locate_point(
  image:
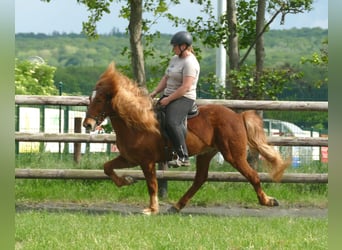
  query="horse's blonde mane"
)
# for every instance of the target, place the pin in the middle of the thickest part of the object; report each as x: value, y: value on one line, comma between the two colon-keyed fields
x: 131, y: 102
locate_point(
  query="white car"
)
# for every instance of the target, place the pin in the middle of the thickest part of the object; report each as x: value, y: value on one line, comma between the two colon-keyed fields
x: 299, y: 154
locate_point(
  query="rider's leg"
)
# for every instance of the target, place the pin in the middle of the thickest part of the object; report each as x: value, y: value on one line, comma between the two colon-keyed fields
x: 176, y: 113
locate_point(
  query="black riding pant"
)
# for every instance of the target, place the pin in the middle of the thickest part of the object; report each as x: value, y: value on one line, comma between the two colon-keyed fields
x: 175, y: 116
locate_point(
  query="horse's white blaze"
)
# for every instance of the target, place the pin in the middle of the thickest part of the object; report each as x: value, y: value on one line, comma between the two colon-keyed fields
x: 93, y: 94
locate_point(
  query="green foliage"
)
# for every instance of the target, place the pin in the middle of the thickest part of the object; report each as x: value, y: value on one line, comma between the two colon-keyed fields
x: 73, y: 84
x: 271, y: 82
x: 246, y: 16
x: 211, y: 32
x: 33, y: 78
x: 214, y: 32
x: 320, y: 62
x: 289, y: 7
x: 80, y: 62
x: 64, y: 50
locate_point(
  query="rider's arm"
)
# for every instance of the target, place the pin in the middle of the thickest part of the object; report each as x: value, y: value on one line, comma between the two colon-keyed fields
x: 160, y: 87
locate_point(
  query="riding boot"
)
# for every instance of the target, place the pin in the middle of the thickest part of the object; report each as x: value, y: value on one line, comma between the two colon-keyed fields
x: 182, y: 158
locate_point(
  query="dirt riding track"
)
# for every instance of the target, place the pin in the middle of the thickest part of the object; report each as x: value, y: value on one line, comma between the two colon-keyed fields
x: 124, y: 209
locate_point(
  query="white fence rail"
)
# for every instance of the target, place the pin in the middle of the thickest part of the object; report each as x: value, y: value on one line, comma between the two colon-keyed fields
x: 111, y: 138
x: 238, y: 104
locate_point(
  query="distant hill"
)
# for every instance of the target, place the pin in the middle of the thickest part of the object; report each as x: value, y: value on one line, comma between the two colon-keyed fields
x: 80, y: 61
x: 62, y: 50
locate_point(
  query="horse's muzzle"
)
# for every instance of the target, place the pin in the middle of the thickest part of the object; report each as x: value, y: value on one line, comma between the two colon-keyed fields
x: 89, y: 124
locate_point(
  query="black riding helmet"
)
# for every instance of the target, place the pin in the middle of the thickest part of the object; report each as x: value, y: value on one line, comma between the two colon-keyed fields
x: 181, y: 37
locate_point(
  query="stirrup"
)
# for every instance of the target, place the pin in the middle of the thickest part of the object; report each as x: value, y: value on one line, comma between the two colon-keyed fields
x: 179, y: 163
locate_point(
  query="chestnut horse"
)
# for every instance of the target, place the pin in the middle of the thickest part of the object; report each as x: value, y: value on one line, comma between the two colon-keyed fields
x: 139, y: 140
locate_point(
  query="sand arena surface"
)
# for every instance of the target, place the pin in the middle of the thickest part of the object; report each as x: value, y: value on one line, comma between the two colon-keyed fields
x: 234, y: 210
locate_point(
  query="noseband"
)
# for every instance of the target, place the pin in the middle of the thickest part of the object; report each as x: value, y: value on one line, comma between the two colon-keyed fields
x: 98, y: 119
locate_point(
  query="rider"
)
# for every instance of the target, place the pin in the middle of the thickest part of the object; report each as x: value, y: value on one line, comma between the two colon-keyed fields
x: 179, y: 85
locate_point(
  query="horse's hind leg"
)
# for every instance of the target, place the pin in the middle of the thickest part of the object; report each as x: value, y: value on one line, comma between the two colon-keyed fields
x: 235, y: 152
x: 252, y: 176
x: 202, y: 167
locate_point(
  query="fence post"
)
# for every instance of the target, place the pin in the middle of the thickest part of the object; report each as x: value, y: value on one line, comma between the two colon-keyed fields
x: 17, y: 127
x: 42, y: 126
x: 60, y: 120
x: 77, y: 145
x: 162, y: 184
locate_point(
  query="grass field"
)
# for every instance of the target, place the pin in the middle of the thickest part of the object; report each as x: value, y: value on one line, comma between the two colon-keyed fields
x: 78, y: 230
x: 43, y: 230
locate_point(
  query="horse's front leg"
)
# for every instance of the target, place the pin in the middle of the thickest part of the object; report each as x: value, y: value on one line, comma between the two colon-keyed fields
x: 152, y: 186
x: 117, y: 163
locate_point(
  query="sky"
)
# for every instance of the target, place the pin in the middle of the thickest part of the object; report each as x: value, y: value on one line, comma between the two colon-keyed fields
x: 67, y: 16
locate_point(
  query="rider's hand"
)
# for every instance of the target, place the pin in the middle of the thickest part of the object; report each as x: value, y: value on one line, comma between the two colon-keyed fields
x: 164, y: 101
x: 153, y: 94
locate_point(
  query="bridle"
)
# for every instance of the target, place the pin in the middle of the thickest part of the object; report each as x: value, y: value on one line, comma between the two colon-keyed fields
x: 98, y: 118
x: 101, y: 116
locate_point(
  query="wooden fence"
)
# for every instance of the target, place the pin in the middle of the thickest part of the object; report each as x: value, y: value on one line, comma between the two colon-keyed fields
x: 161, y: 174
x: 111, y: 138
x: 234, y: 104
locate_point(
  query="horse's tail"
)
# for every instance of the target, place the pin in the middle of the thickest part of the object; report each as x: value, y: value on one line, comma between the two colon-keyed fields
x: 257, y: 140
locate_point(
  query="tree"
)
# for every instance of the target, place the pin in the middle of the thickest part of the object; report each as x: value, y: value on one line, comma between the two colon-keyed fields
x: 233, y: 36
x: 246, y: 29
x: 212, y: 33
x: 133, y: 11
x: 259, y: 45
x: 34, y: 78
x: 135, y: 30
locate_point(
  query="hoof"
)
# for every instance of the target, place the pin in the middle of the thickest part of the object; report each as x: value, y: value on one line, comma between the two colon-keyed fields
x: 272, y: 202
x: 149, y: 211
x: 173, y: 210
x: 129, y: 180
x: 269, y: 202
x: 275, y: 203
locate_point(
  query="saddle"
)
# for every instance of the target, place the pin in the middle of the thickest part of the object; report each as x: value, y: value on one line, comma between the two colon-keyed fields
x: 160, y: 115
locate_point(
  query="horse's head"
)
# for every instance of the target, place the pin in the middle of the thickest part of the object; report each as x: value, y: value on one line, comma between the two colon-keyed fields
x: 116, y: 95
x: 99, y: 103
x: 98, y: 109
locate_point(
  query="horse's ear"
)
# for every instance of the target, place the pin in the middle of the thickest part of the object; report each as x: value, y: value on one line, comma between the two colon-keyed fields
x: 111, y: 67
x: 109, y: 71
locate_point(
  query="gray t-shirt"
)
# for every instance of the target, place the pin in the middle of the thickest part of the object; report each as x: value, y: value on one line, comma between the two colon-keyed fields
x: 177, y: 69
